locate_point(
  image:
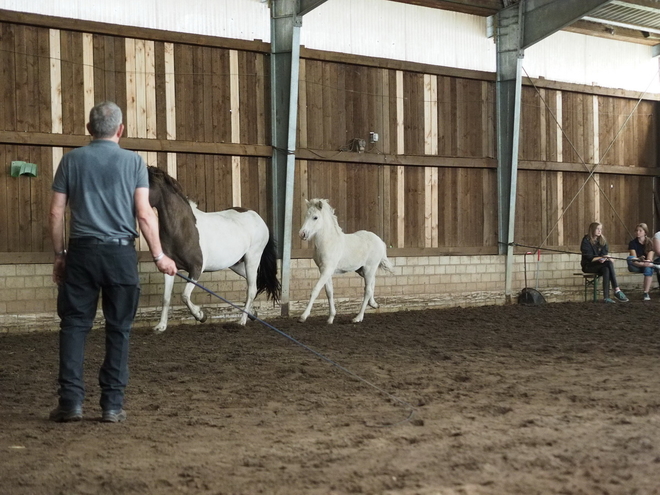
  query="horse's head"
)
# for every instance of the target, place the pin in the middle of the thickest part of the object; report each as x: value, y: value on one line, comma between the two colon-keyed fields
x: 162, y: 185
x: 318, y: 213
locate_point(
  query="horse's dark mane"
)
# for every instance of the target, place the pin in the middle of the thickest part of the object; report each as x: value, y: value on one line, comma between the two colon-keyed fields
x: 163, y: 179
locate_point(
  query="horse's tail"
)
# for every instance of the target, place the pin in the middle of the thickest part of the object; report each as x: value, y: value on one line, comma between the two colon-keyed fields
x: 267, y: 272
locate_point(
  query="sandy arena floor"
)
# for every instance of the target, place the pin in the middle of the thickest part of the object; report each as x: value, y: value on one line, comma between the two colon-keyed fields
x: 553, y: 399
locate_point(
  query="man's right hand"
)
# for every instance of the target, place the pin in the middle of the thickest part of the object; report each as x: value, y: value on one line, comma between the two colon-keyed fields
x: 166, y: 265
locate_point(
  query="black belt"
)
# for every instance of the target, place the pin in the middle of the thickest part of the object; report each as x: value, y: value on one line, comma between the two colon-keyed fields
x: 89, y: 241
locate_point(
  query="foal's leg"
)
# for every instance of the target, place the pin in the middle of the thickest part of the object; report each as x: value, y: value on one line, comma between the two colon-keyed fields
x: 331, y: 300
x: 167, y: 295
x: 325, y: 276
x: 369, y: 275
x: 372, y: 301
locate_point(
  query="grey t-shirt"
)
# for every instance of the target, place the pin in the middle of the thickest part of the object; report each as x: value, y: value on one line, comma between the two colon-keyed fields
x: 100, y: 181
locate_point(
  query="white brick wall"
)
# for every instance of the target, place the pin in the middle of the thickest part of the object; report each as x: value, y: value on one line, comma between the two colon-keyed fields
x: 28, y: 296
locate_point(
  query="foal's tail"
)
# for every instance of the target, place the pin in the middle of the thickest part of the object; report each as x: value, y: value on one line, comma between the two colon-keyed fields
x: 386, y: 264
x: 267, y: 272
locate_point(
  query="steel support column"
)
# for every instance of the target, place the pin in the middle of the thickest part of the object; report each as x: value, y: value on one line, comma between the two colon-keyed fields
x: 286, y: 23
x: 507, y: 88
x: 518, y: 27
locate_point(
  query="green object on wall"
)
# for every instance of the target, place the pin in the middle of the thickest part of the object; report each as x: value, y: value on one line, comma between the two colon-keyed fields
x: 23, y: 168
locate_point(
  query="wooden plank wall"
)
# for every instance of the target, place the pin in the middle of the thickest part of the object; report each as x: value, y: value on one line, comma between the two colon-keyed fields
x: 199, y: 108
x: 184, y: 93
x: 413, y: 208
x: 590, y: 132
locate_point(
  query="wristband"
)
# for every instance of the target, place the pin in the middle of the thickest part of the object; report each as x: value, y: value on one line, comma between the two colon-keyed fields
x: 60, y: 253
x: 159, y: 257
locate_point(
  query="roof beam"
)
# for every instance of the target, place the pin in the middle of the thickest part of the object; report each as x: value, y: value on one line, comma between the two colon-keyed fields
x: 308, y: 5
x: 601, y: 30
x: 474, y: 7
x: 545, y: 17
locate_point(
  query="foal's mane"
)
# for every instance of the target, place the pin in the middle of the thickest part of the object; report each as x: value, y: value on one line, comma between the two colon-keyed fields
x: 162, y: 179
x: 323, y: 206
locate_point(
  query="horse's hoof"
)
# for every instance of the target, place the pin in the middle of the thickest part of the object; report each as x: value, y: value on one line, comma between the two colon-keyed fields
x: 357, y: 319
x: 301, y: 320
x: 158, y: 329
x: 330, y: 320
x: 203, y: 318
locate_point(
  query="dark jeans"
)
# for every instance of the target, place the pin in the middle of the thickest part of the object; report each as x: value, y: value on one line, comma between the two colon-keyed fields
x: 605, y: 270
x: 90, y: 269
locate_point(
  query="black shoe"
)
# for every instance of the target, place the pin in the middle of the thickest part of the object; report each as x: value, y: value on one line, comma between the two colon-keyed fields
x: 66, y: 414
x: 113, y: 416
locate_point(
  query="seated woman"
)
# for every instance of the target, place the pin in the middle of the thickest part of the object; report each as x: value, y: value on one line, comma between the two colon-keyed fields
x: 641, y: 257
x: 596, y: 259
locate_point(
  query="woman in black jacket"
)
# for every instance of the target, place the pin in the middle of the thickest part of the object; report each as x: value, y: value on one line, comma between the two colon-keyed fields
x: 596, y: 259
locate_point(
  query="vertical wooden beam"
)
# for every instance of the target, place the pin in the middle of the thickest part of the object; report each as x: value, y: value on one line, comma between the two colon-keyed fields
x: 595, y: 180
x: 385, y: 137
x: 385, y: 177
x: 56, y: 92
x: 58, y: 153
x: 170, y: 104
x: 150, y: 98
x: 262, y: 124
x: 171, y: 164
x: 560, y: 208
x: 302, y: 169
x: 560, y: 132
x: 235, y: 126
x: 400, y: 171
x: 486, y: 120
x: 595, y: 151
x: 140, y: 88
x: 131, y: 103
x: 302, y: 105
x: 596, y: 130
x: 170, y: 91
x: 560, y: 175
x: 236, y: 180
x: 543, y: 125
x: 234, y: 97
x: 430, y: 148
x: 150, y: 88
x: 88, y: 74
x: 55, y: 81
x: 544, y: 205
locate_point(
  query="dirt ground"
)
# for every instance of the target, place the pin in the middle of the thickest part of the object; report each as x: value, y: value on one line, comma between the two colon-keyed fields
x: 551, y: 399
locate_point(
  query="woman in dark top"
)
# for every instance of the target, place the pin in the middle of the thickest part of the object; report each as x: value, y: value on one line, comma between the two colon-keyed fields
x: 596, y: 259
x: 640, y: 259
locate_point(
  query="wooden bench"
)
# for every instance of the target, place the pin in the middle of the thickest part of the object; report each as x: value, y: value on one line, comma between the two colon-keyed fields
x: 590, y: 280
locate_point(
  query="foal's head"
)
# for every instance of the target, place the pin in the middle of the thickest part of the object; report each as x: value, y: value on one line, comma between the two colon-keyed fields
x: 320, y: 216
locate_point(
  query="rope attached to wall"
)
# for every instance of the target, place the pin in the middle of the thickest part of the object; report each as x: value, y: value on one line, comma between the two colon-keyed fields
x: 561, y: 251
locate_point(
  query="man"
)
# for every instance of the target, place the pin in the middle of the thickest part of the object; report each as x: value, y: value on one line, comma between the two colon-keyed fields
x: 106, y: 188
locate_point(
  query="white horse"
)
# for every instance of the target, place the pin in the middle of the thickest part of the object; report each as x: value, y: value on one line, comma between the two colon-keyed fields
x: 335, y: 252
x: 198, y: 242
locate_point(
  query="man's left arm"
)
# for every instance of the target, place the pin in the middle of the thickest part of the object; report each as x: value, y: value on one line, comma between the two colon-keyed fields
x: 56, y: 223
